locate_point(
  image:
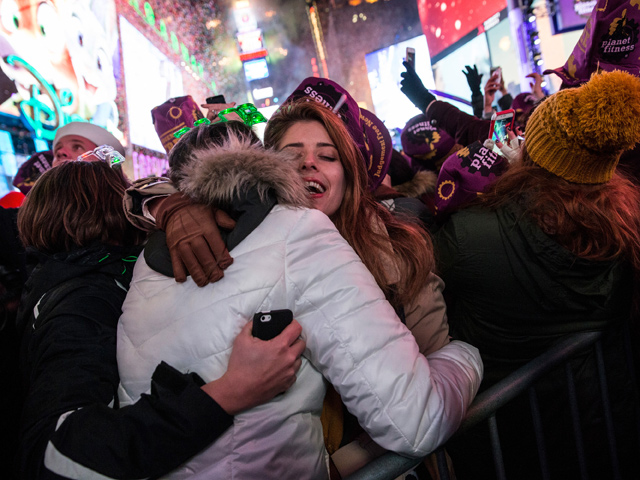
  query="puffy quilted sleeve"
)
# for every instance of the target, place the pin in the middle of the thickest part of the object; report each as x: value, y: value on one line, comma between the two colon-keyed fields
x: 408, y: 403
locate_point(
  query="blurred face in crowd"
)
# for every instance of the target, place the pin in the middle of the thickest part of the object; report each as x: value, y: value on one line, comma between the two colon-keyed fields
x: 320, y: 166
x: 70, y: 147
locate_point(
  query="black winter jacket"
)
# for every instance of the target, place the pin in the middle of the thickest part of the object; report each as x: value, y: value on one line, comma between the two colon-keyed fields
x: 68, y: 319
x: 513, y: 292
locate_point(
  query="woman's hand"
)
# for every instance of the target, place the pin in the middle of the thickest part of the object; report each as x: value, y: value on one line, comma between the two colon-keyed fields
x: 511, y: 149
x: 258, y: 370
x: 473, y: 79
x: 193, y: 238
x: 414, y: 89
x: 214, y: 108
x: 490, y: 89
x: 536, y: 86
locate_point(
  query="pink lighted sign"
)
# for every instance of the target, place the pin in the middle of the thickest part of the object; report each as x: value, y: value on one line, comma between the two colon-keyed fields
x: 444, y: 22
x: 148, y: 165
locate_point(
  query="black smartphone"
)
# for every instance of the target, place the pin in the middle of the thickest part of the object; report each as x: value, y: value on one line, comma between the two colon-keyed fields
x: 216, y: 99
x: 411, y: 57
x: 268, y: 325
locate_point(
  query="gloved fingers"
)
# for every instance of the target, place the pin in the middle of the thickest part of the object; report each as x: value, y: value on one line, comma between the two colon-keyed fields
x: 216, y: 274
x: 179, y: 271
x: 223, y: 220
x: 203, y: 253
x: 207, y: 263
x: 410, y: 70
x: 489, y: 143
x: 214, y: 246
x: 210, y: 260
x: 186, y: 258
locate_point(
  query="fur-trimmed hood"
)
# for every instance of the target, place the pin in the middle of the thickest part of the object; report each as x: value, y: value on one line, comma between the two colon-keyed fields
x: 423, y: 182
x: 218, y: 176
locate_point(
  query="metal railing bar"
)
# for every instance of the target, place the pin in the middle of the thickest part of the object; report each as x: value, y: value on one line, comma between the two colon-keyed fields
x: 386, y: 467
x: 537, y: 429
x: 496, y: 450
x: 608, y: 418
x: 517, y: 382
x: 443, y: 466
x: 631, y: 366
x: 390, y: 465
x: 575, y: 420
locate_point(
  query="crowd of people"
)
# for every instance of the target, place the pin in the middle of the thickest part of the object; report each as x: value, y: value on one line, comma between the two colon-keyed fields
x: 416, y: 278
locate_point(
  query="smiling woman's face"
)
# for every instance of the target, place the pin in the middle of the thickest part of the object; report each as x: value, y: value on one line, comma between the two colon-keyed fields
x: 320, y: 166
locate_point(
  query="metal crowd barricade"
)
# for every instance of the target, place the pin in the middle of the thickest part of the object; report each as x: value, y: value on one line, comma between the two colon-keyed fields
x: 484, y: 408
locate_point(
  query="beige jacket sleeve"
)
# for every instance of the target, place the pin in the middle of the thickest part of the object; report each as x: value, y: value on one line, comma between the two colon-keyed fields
x: 426, y: 316
x: 137, y: 195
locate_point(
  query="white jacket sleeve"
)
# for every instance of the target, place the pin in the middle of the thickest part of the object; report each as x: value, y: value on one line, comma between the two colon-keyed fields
x: 406, y: 402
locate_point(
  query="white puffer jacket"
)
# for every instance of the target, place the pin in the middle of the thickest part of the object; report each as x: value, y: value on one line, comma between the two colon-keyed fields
x: 295, y: 259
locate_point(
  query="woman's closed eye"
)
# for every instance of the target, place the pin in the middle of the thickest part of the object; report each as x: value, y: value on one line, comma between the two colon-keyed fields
x: 327, y: 154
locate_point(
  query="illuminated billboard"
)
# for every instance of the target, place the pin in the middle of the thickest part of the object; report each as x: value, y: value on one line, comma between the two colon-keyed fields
x: 256, y: 69
x: 384, y: 67
x: 61, y: 57
x: 571, y: 14
x: 150, y: 80
x: 444, y: 22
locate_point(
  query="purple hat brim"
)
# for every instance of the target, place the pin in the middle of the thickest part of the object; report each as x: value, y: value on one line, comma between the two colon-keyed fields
x: 378, y: 147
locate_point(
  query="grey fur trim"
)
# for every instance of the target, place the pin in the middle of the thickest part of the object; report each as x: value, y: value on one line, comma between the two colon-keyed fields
x: 422, y: 182
x: 216, y: 176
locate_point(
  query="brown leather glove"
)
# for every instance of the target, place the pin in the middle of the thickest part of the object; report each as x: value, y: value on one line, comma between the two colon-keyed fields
x: 194, y: 239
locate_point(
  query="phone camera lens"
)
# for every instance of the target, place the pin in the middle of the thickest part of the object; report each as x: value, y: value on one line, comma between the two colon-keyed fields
x: 265, y: 318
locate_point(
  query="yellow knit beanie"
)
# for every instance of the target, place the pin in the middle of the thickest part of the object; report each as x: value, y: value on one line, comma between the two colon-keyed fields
x: 579, y: 133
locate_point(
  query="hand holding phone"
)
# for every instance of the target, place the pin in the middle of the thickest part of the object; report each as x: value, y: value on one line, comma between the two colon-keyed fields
x: 216, y: 104
x: 501, y: 124
x: 268, y: 325
x: 498, y: 72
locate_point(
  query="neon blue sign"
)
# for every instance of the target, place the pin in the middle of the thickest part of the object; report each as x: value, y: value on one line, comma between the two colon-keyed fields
x: 37, y: 116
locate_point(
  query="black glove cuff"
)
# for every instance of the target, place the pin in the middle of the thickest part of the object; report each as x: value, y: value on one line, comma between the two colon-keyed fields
x: 426, y: 100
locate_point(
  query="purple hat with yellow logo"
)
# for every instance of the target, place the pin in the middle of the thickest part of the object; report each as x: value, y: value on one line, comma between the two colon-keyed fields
x: 425, y: 143
x: 367, y: 131
x: 608, y: 42
x: 466, y: 174
x: 524, y: 102
x: 172, y: 115
x: 378, y: 145
x: 31, y: 170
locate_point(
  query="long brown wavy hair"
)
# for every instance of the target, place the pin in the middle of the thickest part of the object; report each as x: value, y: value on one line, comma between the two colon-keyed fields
x: 371, y: 230
x: 596, y: 222
x: 75, y: 204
